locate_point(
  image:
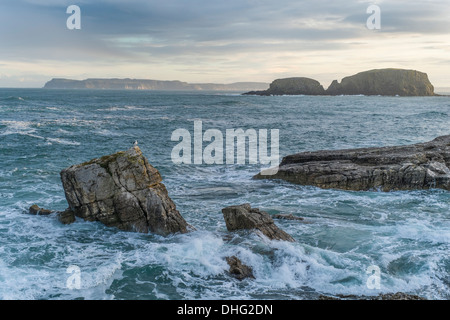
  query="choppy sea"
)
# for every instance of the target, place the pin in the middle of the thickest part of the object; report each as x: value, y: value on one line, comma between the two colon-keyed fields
x: 405, y: 234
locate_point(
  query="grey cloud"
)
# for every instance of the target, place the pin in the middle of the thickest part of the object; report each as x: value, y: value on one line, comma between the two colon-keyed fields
x: 422, y: 17
x: 177, y: 31
x: 37, y: 28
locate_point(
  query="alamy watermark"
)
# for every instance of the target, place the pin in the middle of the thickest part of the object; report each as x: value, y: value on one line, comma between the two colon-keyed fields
x: 74, y: 280
x: 231, y: 149
x: 74, y: 20
x: 374, y: 280
x: 374, y: 20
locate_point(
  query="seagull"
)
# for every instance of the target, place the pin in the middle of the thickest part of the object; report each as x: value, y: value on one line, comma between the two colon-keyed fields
x: 135, y: 143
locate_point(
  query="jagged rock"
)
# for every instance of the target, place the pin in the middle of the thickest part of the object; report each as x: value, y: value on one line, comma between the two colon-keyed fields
x: 287, y: 217
x: 122, y: 190
x: 239, y: 270
x: 292, y: 86
x: 418, y: 166
x: 385, y: 82
x: 36, y: 210
x: 245, y: 217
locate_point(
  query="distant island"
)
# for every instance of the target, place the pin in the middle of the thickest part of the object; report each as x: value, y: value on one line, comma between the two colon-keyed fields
x: 140, y: 84
x: 383, y: 82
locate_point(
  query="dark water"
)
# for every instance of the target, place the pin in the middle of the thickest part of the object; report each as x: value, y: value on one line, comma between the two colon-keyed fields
x: 405, y: 234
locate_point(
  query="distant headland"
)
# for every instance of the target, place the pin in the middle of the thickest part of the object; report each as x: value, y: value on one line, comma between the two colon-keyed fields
x: 383, y: 82
x: 142, y: 84
x: 378, y: 82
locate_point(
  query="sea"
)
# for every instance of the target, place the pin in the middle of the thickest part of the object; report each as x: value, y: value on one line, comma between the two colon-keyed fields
x: 349, y: 243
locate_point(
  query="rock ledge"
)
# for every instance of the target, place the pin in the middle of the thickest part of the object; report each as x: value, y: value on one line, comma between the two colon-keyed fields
x: 411, y: 167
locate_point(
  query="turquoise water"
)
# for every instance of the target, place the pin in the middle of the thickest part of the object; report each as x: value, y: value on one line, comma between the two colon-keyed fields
x: 405, y: 234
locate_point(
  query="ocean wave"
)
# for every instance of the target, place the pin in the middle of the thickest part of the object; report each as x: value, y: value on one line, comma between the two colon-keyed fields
x: 12, y: 98
x: 17, y: 127
x: 404, y: 233
x: 122, y: 108
x: 52, y: 140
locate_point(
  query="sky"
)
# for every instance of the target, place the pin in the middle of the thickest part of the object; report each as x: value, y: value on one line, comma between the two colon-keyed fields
x: 222, y: 41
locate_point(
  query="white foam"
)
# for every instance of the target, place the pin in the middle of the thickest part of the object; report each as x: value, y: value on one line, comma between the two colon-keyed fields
x: 17, y: 127
x: 63, y: 141
x: 122, y: 108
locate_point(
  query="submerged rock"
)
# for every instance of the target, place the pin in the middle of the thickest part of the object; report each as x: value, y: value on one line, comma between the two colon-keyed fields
x: 418, y: 166
x: 239, y: 270
x: 292, y: 86
x: 36, y: 210
x: 244, y: 217
x: 122, y: 190
x: 66, y: 217
x: 287, y: 217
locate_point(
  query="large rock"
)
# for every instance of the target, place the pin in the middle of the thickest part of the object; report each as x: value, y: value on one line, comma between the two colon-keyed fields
x: 122, y: 190
x: 244, y: 217
x: 292, y: 86
x: 385, y: 82
x: 418, y: 166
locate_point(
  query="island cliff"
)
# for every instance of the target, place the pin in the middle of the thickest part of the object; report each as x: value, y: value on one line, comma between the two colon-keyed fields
x: 292, y: 86
x: 383, y: 82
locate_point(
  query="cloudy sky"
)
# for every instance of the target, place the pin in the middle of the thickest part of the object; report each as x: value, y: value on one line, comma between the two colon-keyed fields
x: 220, y: 41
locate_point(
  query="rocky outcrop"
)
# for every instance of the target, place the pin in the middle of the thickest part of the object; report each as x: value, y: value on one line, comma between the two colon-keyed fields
x: 418, y: 166
x: 66, y: 217
x: 244, y: 217
x: 36, y: 210
x: 385, y: 82
x: 287, y: 217
x: 292, y: 86
x: 239, y: 270
x: 122, y: 190
x: 381, y: 296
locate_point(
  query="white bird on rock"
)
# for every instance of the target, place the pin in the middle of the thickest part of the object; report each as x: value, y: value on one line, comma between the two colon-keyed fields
x: 135, y: 143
